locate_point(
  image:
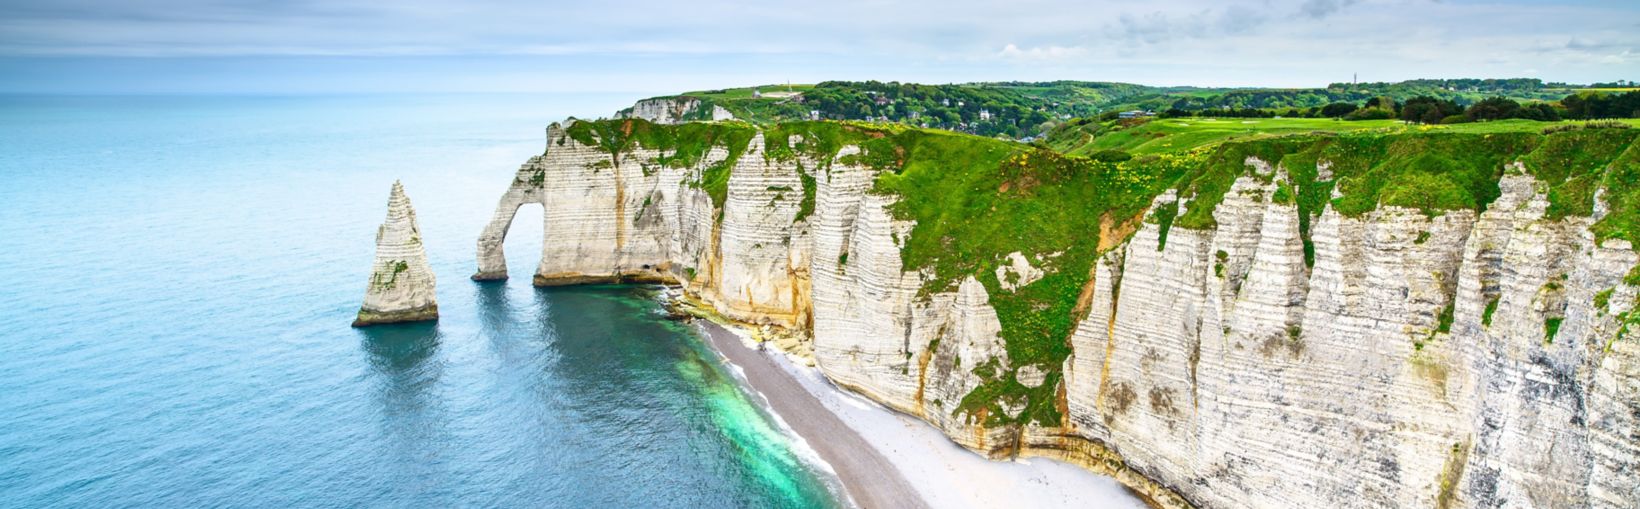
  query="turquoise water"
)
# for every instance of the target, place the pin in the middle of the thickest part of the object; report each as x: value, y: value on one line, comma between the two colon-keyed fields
x: 177, y: 275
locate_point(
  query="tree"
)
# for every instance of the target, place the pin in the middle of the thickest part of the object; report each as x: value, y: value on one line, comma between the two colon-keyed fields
x: 1428, y: 110
x: 1336, y: 110
x: 1494, y: 108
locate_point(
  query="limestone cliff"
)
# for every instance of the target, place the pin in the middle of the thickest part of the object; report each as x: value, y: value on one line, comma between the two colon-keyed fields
x: 401, y: 283
x: 1369, y: 321
x: 673, y: 110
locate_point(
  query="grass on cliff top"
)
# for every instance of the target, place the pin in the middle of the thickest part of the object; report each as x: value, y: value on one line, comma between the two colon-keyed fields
x: 1432, y: 170
x: 975, y: 200
x: 1183, y: 134
x: 746, y: 92
x: 683, y: 146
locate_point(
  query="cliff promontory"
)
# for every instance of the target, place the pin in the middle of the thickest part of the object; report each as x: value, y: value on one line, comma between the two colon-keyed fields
x: 401, y: 283
x: 1405, y: 318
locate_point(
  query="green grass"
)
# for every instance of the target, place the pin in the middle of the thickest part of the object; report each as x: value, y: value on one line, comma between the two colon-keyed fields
x: 1434, y: 171
x: 743, y: 93
x: 1486, y: 315
x: 1181, y: 134
x: 975, y: 200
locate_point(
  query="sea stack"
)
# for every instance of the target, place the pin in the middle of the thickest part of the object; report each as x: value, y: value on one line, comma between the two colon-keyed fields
x: 401, y: 283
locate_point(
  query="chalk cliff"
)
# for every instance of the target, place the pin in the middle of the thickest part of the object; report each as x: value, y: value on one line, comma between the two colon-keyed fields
x: 1311, y: 322
x: 673, y: 110
x: 401, y: 283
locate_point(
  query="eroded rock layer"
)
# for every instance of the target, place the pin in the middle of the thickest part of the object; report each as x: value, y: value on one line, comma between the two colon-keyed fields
x: 401, y: 284
x: 1261, y: 354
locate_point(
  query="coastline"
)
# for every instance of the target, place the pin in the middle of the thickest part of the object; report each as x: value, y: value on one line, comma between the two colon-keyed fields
x: 888, y: 459
x: 868, y: 478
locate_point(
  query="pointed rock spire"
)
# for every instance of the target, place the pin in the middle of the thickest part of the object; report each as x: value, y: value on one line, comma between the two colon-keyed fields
x: 401, y: 283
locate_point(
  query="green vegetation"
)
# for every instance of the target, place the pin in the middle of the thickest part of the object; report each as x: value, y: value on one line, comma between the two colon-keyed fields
x: 1464, y: 91
x: 1432, y: 169
x: 1164, y: 217
x: 975, y: 201
x: 1551, y: 327
x: 806, y: 207
x: 1486, y: 315
x: 688, y: 143
x: 1444, y: 322
x: 391, y: 280
x: 1012, y: 109
x: 1025, y: 109
x: 1150, y: 136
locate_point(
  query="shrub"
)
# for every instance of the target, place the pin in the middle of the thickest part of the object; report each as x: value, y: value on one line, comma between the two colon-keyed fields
x: 1370, y: 114
x: 1110, y: 156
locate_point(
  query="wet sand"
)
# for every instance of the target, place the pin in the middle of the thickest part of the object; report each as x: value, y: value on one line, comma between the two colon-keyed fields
x: 868, y: 477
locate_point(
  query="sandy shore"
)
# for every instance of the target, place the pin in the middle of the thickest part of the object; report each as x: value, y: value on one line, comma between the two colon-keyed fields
x: 886, y: 459
x: 871, y: 481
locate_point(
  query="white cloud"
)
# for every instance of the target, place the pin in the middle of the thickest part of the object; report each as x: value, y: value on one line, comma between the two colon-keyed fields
x: 1050, y: 52
x: 1277, y: 42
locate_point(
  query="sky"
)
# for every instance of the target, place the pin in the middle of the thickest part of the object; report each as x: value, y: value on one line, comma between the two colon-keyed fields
x: 661, y: 46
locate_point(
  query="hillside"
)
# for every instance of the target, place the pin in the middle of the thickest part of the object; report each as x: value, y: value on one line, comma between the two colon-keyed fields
x: 1088, y: 136
x: 1028, y: 109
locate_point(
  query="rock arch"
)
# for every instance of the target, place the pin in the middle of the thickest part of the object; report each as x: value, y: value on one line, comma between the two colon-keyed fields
x: 525, y: 189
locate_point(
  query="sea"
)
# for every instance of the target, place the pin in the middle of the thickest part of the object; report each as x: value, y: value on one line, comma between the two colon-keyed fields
x: 177, y: 279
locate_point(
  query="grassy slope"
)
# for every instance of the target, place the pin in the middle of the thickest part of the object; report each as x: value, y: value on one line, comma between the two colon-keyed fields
x: 975, y: 200
x: 1179, y: 134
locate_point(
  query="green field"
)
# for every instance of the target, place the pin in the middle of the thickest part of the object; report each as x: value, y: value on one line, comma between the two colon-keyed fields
x: 1179, y: 134
x: 745, y: 92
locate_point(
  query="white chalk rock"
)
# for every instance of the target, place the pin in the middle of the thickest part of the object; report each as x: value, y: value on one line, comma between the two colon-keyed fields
x: 401, y: 283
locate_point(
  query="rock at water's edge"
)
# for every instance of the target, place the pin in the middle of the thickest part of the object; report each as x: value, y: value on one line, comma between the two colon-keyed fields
x: 401, y: 283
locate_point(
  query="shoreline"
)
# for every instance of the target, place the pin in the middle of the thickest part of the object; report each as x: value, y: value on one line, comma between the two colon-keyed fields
x: 885, y: 458
x: 868, y: 478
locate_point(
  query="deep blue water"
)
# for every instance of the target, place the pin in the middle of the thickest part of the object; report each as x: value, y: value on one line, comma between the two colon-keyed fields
x: 177, y: 276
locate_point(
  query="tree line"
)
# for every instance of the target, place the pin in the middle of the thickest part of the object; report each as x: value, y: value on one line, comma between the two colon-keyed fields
x: 1436, y: 110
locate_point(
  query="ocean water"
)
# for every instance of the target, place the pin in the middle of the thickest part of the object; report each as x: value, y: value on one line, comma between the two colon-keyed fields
x: 177, y: 276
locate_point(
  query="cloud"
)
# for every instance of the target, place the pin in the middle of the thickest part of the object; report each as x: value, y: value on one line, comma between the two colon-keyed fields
x: 1012, y: 51
x: 1285, y: 42
x: 1322, y: 8
x: 1158, y: 27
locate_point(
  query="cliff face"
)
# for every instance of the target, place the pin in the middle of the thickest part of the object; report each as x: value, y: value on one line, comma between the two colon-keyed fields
x: 1242, y: 342
x: 401, y: 283
x: 673, y: 110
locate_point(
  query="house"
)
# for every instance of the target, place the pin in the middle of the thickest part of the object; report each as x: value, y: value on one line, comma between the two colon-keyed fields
x: 984, y: 114
x: 757, y: 94
x: 814, y: 114
x: 1134, y: 114
x: 882, y: 100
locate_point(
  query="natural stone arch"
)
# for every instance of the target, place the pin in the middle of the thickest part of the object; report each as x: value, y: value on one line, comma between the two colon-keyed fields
x: 525, y: 189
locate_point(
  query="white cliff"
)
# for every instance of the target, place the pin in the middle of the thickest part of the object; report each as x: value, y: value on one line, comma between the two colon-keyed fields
x: 1409, y: 366
x: 401, y: 283
x: 673, y: 110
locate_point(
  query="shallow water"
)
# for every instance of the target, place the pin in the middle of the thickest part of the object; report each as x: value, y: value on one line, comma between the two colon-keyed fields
x: 177, y: 275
